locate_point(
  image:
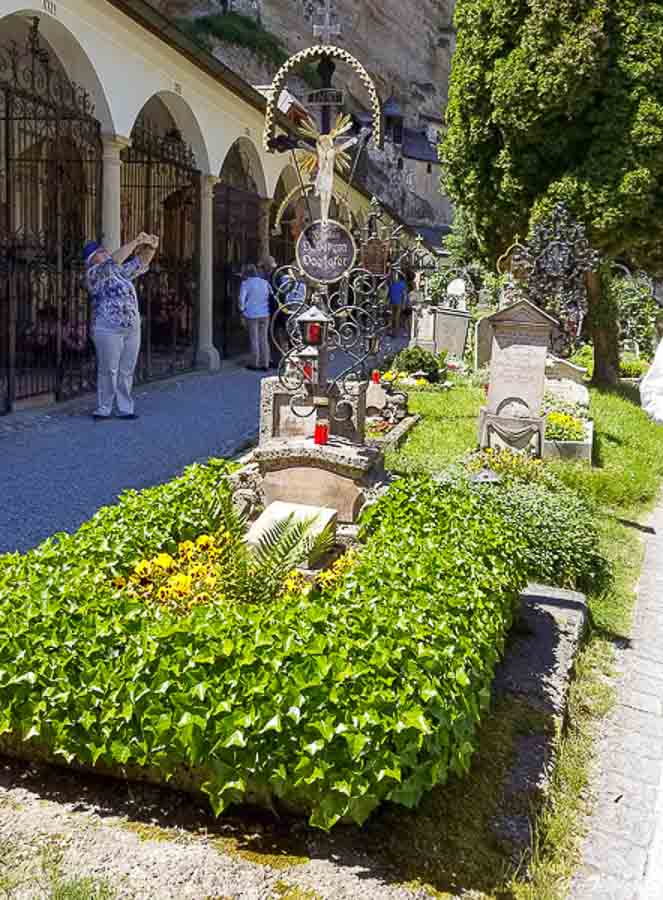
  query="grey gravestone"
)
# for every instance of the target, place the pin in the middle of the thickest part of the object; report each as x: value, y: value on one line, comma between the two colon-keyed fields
x: 512, y: 416
x: 438, y: 329
x: 566, y: 381
x: 483, y: 340
x: 423, y: 328
x: 451, y: 328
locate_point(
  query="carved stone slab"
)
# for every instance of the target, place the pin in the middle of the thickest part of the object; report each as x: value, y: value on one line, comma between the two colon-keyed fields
x: 335, y: 475
x: 521, y: 335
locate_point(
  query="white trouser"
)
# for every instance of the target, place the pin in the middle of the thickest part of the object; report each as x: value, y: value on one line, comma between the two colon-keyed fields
x: 117, y: 355
x: 259, y: 336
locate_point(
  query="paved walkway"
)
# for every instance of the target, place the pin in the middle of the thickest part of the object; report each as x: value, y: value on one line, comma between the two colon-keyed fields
x: 623, y: 854
x: 58, y: 466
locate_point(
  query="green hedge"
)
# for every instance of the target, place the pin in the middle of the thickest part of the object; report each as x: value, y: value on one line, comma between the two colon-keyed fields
x: 557, y: 526
x: 327, y: 704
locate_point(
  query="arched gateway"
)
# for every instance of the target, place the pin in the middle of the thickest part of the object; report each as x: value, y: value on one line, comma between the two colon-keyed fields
x: 161, y: 195
x: 50, y: 203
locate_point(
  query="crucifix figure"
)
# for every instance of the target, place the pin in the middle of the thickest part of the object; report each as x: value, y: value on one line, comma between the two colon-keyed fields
x: 325, y: 158
x: 327, y: 31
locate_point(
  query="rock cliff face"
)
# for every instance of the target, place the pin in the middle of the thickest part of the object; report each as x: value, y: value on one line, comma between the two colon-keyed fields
x: 406, y: 45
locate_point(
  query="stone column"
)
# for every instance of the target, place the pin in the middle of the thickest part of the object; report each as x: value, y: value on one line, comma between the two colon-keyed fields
x: 207, y: 356
x: 264, y: 236
x: 111, y: 217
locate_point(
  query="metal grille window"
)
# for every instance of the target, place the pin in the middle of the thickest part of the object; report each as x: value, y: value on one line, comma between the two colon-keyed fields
x: 50, y: 204
x: 161, y: 195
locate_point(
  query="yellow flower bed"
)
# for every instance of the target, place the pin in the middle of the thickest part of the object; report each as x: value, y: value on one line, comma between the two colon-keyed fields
x: 196, y: 575
x: 562, y: 427
x: 202, y: 572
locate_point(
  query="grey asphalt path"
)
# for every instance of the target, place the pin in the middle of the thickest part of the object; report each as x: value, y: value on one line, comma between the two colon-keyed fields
x: 623, y: 853
x: 58, y: 466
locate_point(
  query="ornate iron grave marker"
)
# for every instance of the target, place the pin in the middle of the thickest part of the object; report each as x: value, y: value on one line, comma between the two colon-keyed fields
x: 326, y: 253
x: 312, y: 435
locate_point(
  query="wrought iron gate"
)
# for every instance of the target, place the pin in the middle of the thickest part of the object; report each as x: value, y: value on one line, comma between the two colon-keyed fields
x: 236, y: 243
x: 50, y: 203
x: 161, y: 195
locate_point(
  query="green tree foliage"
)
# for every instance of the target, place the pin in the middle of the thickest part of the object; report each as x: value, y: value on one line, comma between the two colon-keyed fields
x: 560, y: 100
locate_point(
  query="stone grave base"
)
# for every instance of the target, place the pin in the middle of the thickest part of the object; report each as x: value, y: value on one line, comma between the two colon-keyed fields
x: 279, y: 421
x: 338, y: 475
x: 507, y: 433
x: 394, y: 438
x: 571, y: 451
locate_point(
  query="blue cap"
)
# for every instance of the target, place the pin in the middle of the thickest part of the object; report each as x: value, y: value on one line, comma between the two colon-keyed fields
x: 90, y: 249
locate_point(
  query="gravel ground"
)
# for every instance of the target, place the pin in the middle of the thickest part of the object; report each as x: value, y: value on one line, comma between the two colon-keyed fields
x: 150, y: 844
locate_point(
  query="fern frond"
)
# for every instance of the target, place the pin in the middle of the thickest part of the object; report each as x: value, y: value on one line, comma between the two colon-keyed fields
x: 283, y: 547
x: 224, y: 514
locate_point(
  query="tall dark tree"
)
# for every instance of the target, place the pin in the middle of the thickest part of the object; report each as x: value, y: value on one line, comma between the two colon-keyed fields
x: 561, y: 100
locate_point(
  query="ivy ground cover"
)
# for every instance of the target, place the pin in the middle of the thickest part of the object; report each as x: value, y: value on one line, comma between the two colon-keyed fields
x: 326, y: 701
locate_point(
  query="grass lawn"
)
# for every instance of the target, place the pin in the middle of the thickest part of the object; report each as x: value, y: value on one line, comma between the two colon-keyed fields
x: 449, y: 429
x: 624, y: 484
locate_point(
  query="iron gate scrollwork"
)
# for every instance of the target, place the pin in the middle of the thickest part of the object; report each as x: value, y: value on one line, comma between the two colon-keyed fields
x: 50, y: 203
x: 161, y: 195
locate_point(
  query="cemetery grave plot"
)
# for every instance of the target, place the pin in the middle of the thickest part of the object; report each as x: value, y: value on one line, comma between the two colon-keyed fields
x: 439, y: 836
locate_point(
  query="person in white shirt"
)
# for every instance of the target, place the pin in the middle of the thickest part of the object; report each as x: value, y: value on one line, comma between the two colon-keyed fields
x: 651, y: 386
x: 254, y: 305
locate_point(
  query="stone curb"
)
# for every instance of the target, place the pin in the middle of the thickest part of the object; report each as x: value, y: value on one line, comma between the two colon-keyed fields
x: 537, y: 669
x: 396, y: 436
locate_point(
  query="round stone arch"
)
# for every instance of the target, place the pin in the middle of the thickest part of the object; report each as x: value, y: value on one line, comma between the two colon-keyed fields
x: 240, y: 229
x: 186, y: 122
x: 67, y: 50
x: 247, y: 149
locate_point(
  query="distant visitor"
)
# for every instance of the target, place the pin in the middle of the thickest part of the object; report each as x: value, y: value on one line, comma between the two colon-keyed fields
x: 254, y: 303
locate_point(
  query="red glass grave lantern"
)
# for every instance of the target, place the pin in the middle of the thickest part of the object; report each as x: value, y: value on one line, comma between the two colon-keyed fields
x: 314, y: 327
x: 309, y: 361
x: 321, y: 434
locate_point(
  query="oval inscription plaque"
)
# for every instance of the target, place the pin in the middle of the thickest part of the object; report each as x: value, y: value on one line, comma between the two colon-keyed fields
x: 326, y: 254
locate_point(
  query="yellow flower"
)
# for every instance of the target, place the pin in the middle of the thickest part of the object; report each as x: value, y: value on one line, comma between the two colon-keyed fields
x: 421, y: 382
x: 205, y: 540
x: 143, y: 569
x: 119, y: 582
x: 186, y: 548
x: 180, y: 584
x: 163, y: 594
x: 164, y: 561
x: 388, y: 376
